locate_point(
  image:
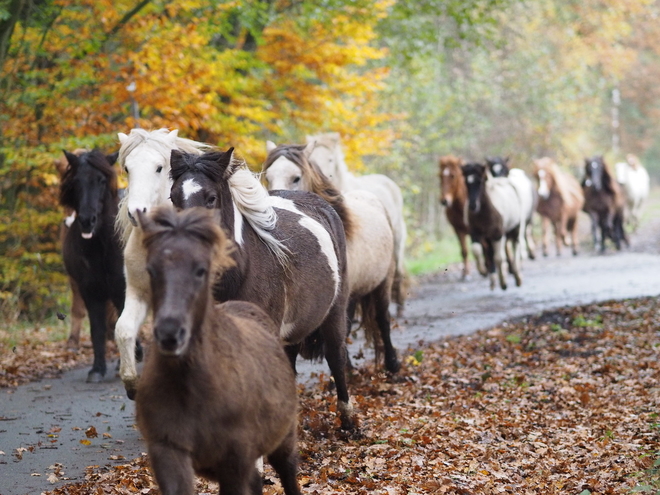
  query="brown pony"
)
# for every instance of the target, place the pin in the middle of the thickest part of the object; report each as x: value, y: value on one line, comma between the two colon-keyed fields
x: 604, y: 202
x: 453, y: 195
x: 217, y: 392
x: 560, y: 202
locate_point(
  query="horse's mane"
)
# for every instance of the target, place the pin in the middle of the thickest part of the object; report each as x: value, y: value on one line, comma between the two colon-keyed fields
x: 96, y: 160
x: 159, y: 141
x: 317, y: 180
x: 165, y: 223
x: 250, y: 196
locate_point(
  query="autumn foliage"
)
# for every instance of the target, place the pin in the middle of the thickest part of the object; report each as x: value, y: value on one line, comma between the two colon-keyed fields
x: 211, y: 69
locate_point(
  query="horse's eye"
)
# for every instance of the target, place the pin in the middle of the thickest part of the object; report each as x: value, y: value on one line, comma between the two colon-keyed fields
x: 200, y: 272
x: 296, y: 180
x: 159, y: 169
x: 210, y: 203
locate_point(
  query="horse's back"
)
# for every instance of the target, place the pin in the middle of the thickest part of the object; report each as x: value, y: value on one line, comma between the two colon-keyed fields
x: 506, y: 199
x: 370, y: 252
x: 525, y: 188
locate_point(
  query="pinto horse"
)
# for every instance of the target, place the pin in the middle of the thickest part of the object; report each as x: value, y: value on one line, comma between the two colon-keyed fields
x: 91, y: 248
x: 145, y: 158
x: 369, y: 240
x: 603, y: 202
x: 499, y: 167
x: 453, y: 196
x: 217, y: 392
x: 290, y: 256
x: 560, y: 201
x: 328, y: 155
x: 495, y: 215
x: 635, y: 184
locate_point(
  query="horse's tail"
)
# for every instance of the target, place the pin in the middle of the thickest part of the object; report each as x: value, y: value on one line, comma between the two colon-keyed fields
x: 313, y: 347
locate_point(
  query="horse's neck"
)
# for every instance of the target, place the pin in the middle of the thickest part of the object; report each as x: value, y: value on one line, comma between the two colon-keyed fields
x: 345, y: 178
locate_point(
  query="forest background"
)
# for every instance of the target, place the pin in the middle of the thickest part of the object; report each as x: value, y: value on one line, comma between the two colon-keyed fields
x: 403, y: 82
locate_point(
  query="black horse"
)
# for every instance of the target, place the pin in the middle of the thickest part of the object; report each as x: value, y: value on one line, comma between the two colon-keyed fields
x: 91, y: 250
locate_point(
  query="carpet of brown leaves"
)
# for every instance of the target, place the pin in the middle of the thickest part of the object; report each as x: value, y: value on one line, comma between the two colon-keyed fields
x: 566, y: 402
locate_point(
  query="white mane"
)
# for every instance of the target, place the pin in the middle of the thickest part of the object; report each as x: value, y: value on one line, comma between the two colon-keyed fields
x: 254, y: 203
x: 161, y: 142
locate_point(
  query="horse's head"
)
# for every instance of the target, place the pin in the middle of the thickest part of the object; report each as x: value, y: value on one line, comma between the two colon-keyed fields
x: 200, y: 180
x: 594, y: 172
x: 284, y: 169
x: 544, y: 177
x: 87, y: 183
x: 451, y: 179
x: 185, y: 252
x: 325, y: 150
x: 475, y: 177
x: 499, y: 167
x: 145, y: 157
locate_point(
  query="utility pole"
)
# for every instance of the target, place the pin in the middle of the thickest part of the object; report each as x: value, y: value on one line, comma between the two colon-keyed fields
x: 616, y: 102
x: 135, y: 111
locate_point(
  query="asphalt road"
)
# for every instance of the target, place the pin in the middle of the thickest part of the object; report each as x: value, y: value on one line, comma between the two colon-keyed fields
x: 50, y: 418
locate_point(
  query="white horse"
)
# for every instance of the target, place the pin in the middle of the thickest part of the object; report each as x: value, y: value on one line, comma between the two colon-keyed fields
x: 328, y: 155
x: 371, y: 258
x: 145, y: 157
x: 635, y: 182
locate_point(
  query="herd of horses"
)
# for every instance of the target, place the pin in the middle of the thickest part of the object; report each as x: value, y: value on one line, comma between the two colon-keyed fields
x: 240, y: 279
x: 494, y: 206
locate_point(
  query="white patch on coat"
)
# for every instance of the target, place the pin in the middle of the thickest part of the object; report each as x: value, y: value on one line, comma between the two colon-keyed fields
x: 190, y: 187
x: 322, y: 235
x: 544, y: 190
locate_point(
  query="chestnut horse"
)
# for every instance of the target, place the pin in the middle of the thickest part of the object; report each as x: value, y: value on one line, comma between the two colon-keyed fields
x: 560, y: 201
x: 217, y: 392
x: 453, y: 196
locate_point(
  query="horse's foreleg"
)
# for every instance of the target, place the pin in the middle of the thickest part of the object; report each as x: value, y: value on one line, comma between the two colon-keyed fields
x: 173, y: 469
x: 517, y: 258
x: 479, y: 258
x: 334, y: 337
x: 126, y: 331
x: 529, y: 241
x: 285, y: 463
x: 462, y: 239
x: 499, y: 256
x: 545, y: 234
x: 594, y: 228
x: 78, y: 313
x: 97, y: 323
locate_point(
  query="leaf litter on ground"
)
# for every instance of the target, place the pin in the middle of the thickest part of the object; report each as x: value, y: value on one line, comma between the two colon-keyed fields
x: 565, y: 402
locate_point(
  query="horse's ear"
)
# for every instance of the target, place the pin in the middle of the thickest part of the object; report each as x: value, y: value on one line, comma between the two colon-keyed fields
x: 112, y: 158
x: 506, y: 160
x: 72, y: 158
x: 172, y: 136
x: 270, y: 146
x: 224, y: 161
x: 309, y: 148
x: 122, y: 137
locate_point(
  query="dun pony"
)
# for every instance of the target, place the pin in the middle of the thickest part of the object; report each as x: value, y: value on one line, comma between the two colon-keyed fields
x: 217, y: 392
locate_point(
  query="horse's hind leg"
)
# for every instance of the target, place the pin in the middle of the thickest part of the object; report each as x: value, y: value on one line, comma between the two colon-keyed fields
x: 499, y: 255
x: 334, y: 337
x: 285, y: 463
x: 97, y: 323
x: 381, y: 314
x: 173, y: 469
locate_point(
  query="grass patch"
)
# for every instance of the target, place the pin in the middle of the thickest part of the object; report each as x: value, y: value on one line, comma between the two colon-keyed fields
x: 50, y: 330
x: 432, y: 256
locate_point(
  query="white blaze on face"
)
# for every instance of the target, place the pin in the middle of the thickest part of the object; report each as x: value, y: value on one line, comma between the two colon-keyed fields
x: 497, y: 168
x: 446, y: 172
x: 190, y: 187
x: 320, y: 233
x: 544, y: 190
x: 281, y: 175
x: 470, y: 179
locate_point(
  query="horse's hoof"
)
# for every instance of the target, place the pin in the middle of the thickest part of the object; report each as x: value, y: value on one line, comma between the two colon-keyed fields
x: 393, y: 365
x: 131, y: 393
x: 95, y: 377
